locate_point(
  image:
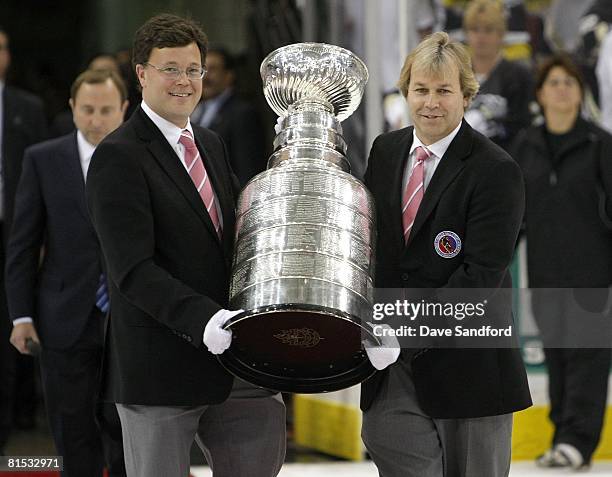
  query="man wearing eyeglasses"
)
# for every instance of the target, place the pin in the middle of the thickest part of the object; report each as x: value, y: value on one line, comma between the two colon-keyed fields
x: 161, y: 196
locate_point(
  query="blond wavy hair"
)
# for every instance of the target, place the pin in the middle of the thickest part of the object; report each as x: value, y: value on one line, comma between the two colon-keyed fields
x: 436, y: 55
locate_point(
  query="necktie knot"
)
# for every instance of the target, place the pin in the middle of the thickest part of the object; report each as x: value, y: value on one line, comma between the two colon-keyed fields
x: 422, y: 154
x: 186, y: 140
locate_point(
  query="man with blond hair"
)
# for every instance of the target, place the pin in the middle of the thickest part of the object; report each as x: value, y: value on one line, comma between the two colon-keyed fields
x: 443, y: 411
x: 501, y: 109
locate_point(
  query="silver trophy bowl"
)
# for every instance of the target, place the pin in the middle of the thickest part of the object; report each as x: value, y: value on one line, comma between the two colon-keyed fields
x: 305, y: 232
x: 314, y: 71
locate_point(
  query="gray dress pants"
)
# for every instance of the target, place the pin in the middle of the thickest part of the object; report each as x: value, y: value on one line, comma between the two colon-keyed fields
x: 404, y: 442
x: 241, y: 437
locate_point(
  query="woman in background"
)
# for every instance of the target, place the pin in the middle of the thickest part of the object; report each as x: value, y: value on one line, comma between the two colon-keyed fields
x: 567, y: 165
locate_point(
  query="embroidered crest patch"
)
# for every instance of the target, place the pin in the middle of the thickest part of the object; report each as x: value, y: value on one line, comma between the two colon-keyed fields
x: 447, y: 244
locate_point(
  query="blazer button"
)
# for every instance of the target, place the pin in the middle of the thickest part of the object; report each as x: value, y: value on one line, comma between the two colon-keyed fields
x: 405, y: 277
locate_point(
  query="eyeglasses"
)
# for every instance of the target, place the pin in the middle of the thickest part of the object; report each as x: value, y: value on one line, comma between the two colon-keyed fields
x: 174, y: 73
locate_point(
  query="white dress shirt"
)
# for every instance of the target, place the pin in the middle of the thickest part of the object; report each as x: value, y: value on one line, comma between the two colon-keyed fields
x: 172, y: 133
x: 437, y: 149
x: 86, y: 150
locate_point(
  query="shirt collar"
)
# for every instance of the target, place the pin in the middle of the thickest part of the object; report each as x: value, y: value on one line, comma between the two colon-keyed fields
x: 171, y: 131
x: 437, y: 148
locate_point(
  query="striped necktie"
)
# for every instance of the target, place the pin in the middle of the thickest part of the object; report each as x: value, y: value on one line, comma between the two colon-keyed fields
x: 413, y: 195
x: 200, y: 178
x: 102, y: 302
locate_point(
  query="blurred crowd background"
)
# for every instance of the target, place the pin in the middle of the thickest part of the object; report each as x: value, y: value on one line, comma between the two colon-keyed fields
x: 52, y: 41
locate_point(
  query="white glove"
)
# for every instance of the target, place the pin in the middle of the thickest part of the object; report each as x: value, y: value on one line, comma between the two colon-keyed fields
x: 216, y: 339
x: 385, y: 354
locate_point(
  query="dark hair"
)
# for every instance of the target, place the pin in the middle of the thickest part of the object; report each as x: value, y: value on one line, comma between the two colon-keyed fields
x: 98, y: 56
x: 229, y: 62
x: 5, y: 33
x: 167, y: 31
x: 98, y: 77
x: 561, y: 60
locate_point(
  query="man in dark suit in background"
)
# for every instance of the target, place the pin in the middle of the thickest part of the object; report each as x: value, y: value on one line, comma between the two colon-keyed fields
x: 162, y: 195
x: 22, y: 123
x: 62, y: 299
x: 235, y: 119
x: 449, y: 206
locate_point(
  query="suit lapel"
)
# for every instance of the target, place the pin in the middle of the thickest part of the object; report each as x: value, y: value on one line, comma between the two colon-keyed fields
x: 70, y: 162
x: 450, y: 165
x: 396, y: 169
x: 171, y: 164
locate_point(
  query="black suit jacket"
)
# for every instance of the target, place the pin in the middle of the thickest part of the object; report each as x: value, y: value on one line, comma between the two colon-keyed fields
x: 240, y: 126
x: 477, y: 192
x: 50, y: 212
x: 168, y: 271
x: 566, y: 196
x: 23, y: 124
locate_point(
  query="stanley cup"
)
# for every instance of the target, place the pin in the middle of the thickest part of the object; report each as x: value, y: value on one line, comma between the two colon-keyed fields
x: 305, y: 234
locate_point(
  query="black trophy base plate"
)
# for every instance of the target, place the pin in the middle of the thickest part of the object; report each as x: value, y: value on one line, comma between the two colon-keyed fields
x: 292, y: 349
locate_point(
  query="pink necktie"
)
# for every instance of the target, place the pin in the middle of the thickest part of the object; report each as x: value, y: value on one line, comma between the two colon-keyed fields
x: 200, y: 178
x: 414, y: 191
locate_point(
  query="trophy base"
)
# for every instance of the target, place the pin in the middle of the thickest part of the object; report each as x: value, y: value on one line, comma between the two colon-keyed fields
x: 297, y: 348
